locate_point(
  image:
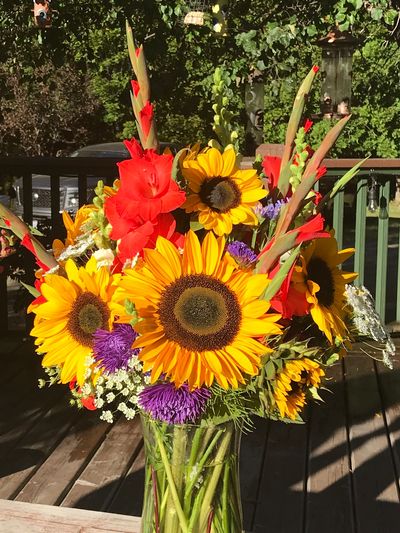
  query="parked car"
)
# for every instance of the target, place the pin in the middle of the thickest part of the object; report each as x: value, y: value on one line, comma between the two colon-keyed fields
x: 41, y: 196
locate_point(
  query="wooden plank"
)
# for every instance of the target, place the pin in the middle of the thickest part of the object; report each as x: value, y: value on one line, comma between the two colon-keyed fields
x: 389, y: 386
x: 128, y: 498
x: 375, y: 493
x: 251, y: 464
x: 97, y: 484
x: 68, y: 460
x: 329, y: 495
x: 37, y: 444
x: 19, y: 517
x: 280, y: 505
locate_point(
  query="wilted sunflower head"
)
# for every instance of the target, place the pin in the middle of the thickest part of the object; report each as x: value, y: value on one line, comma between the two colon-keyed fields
x: 202, y: 319
x: 292, y: 384
x: 220, y: 193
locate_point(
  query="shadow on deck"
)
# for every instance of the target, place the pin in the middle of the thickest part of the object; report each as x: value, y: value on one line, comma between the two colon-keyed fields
x: 337, y: 473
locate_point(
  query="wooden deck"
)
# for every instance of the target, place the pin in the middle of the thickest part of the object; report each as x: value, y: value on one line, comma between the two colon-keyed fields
x: 339, y: 473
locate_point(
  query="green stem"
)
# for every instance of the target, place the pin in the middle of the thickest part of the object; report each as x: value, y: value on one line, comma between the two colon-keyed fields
x: 214, y: 478
x: 254, y: 238
x: 177, y: 469
x: 196, y: 510
x: 225, y: 489
x: 200, y: 465
x: 172, y: 487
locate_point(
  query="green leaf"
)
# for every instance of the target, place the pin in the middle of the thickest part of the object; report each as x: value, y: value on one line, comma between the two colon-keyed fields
x: 341, y: 183
x: 195, y: 225
x: 314, y: 394
x: 376, y: 13
x: 31, y: 289
x: 332, y: 359
x: 281, y: 275
x: 270, y: 370
x: 175, y: 164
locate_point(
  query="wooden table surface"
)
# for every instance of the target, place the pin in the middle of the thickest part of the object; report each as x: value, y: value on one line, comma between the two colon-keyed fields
x: 339, y: 473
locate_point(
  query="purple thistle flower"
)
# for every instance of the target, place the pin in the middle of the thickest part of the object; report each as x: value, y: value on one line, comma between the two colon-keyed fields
x: 272, y: 211
x: 172, y: 405
x: 243, y: 255
x: 112, y: 349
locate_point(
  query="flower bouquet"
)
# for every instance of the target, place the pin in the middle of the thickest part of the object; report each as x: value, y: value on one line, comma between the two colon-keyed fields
x: 197, y: 293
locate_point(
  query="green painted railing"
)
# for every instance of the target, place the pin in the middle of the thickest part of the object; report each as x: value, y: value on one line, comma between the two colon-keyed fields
x: 369, y: 231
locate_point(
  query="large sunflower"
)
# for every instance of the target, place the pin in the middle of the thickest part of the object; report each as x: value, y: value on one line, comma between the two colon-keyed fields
x: 222, y: 194
x: 75, y: 308
x: 324, y: 285
x: 201, y: 315
x: 292, y: 383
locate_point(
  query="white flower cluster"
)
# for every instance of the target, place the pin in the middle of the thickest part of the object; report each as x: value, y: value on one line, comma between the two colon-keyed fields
x: 367, y: 321
x: 120, y: 391
x: 83, y: 242
x: 104, y: 257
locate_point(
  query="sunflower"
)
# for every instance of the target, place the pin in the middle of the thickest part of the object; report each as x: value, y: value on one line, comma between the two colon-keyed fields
x: 324, y: 285
x: 219, y: 192
x: 201, y: 315
x: 74, y: 309
x: 292, y: 383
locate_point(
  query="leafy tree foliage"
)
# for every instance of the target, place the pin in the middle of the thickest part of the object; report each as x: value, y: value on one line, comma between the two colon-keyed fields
x: 273, y: 37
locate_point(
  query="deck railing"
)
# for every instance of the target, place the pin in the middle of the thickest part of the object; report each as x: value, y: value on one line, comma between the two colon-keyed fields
x: 375, y: 235
x: 376, y: 232
x: 27, y: 171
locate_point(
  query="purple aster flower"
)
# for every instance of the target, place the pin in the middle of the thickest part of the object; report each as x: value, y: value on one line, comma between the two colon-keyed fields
x: 272, y: 211
x: 243, y: 255
x: 112, y: 349
x: 172, y: 405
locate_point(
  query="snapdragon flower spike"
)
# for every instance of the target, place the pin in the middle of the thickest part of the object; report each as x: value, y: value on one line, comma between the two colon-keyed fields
x: 243, y: 255
x: 167, y: 403
x: 272, y: 210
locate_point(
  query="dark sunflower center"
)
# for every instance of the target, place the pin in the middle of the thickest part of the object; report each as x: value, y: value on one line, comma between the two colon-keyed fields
x: 199, y: 313
x: 320, y: 272
x: 220, y: 194
x: 88, y: 314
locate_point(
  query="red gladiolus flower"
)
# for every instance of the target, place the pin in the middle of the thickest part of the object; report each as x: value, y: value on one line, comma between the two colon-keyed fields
x: 87, y: 402
x: 135, y: 149
x: 27, y: 242
x: 146, y: 235
x: 288, y: 301
x: 321, y: 172
x: 135, y: 87
x: 308, y: 125
x: 272, y: 167
x: 146, y: 191
x: 146, y: 118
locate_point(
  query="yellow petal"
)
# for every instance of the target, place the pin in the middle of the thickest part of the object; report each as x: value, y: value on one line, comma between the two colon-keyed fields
x: 192, y: 258
x: 229, y: 162
x: 211, y: 254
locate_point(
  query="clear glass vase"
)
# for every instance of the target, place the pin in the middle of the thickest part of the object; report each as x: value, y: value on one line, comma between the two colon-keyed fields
x: 191, y: 478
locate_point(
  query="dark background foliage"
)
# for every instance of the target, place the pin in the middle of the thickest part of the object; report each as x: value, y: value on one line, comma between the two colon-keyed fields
x: 69, y: 85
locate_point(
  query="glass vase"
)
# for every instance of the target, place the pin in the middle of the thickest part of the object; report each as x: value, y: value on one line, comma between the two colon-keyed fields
x: 191, y: 478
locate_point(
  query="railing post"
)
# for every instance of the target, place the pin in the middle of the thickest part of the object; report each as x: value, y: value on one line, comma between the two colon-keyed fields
x: 338, y: 214
x: 381, y: 259
x: 361, y: 213
x: 27, y: 197
x: 3, y: 303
